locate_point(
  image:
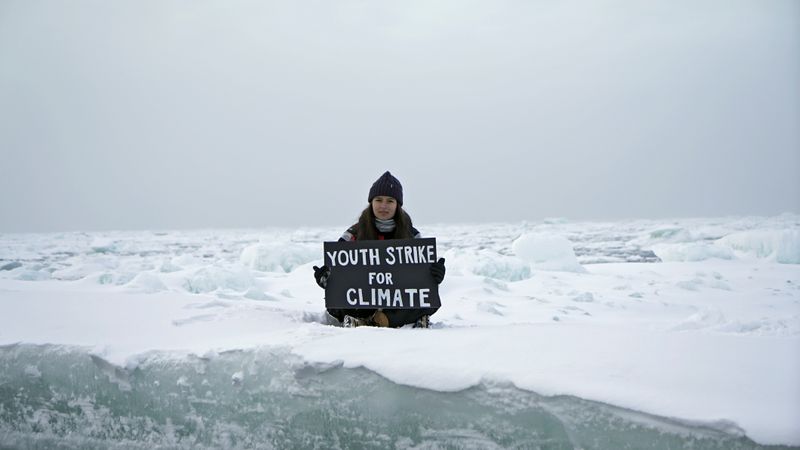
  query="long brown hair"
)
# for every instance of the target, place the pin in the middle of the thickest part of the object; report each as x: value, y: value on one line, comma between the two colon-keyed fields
x: 366, y: 229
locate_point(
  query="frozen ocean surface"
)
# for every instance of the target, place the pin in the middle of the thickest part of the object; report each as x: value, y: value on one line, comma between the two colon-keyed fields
x: 628, y: 334
x: 65, y: 398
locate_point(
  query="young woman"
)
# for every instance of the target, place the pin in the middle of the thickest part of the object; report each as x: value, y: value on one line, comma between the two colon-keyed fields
x: 383, y: 218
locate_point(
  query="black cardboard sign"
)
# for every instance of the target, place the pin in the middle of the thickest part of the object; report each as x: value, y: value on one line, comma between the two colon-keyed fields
x: 391, y: 274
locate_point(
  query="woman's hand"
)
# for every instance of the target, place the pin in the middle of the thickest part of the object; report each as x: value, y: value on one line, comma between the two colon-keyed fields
x: 437, y: 270
x: 321, y: 274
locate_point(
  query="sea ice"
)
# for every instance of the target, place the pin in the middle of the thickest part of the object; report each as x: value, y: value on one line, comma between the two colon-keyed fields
x: 273, y: 257
x: 547, y: 252
x: 782, y: 246
x: 708, y: 334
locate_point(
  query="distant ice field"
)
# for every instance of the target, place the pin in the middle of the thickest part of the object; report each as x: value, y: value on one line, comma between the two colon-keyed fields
x: 552, y: 334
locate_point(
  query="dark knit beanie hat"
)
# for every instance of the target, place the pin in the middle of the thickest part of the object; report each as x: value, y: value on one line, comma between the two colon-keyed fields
x: 389, y: 186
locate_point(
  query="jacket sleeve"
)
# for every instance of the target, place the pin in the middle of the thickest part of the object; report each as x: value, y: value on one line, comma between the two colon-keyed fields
x: 415, y: 232
x: 349, y: 235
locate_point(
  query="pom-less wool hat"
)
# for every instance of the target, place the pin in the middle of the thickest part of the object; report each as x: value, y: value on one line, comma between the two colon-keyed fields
x: 389, y: 186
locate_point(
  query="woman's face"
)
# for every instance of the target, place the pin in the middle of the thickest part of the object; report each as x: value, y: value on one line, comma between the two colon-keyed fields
x: 384, y: 207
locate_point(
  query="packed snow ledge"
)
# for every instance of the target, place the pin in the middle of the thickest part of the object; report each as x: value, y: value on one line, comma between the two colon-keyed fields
x: 696, y: 320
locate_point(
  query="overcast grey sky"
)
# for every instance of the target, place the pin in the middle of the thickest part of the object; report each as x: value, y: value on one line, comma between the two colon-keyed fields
x: 144, y: 114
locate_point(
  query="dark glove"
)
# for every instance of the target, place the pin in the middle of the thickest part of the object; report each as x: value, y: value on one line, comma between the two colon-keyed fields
x: 322, y: 274
x: 437, y: 270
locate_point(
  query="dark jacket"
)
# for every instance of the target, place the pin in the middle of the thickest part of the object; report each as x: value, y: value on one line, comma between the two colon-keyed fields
x: 352, y: 232
x: 397, y: 317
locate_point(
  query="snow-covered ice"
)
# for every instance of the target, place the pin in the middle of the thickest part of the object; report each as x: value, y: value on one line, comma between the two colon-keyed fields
x: 694, y: 321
